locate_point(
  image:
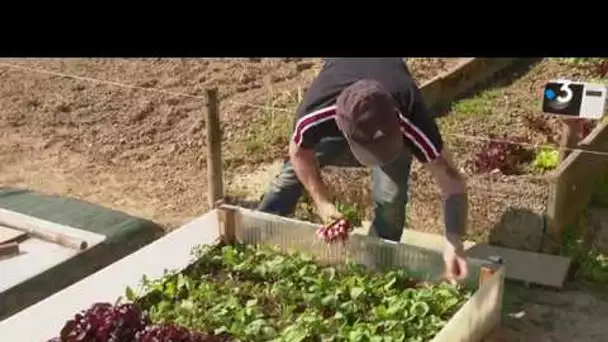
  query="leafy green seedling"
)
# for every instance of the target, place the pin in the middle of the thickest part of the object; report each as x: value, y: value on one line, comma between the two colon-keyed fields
x: 351, y: 213
x: 546, y: 159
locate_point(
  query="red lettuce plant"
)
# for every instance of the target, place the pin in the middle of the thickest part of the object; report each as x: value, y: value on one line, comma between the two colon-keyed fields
x: 505, y: 154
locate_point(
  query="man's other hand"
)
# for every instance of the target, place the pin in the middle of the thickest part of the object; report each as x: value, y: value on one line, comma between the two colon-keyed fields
x: 456, y: 268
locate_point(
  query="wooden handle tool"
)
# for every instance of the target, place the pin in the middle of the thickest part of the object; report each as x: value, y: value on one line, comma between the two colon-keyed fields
x: 54, y: 237
x: 9, y: 249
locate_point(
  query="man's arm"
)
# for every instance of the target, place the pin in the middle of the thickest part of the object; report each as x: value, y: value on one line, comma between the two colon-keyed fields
x: 424, y: 139
x: 455, y: 198
x: 307, y: 169
x: 309, y: 130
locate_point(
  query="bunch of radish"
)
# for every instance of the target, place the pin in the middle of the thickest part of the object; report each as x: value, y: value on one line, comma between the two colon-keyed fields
x: 337, y: 231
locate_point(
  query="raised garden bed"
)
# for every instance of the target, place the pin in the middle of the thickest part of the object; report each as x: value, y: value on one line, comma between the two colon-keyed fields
x: 247, y: 293
x: 261, y: 293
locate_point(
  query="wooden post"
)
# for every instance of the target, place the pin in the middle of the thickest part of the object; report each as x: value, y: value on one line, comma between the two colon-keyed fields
x: 227, y: 224
x: 569, y: 138
x: 214, y: 149
x: 552, y: 240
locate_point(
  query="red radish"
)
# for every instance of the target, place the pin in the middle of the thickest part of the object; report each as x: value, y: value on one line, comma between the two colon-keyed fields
x: 338, y: 231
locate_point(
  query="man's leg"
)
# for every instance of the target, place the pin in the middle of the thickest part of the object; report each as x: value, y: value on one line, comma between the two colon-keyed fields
x: 389, y: 194
x: 286, y: 189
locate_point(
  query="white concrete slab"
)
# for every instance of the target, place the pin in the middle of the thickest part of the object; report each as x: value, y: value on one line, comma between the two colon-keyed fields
x: 529, y: 267
x: 35, y: 256
x: 43, y: 320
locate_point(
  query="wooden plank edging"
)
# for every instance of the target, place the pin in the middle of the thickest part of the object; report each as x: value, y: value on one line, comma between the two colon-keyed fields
x: 586, y: 144
x: 469, y: 73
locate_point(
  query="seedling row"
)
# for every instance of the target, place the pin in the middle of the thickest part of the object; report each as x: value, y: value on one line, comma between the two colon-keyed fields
x: 246, y: 293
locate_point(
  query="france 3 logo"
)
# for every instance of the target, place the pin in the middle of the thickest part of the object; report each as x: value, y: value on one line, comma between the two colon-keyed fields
x: 574, y: 99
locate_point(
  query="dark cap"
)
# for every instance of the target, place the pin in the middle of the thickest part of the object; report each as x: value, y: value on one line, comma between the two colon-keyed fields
x: 367, y: 116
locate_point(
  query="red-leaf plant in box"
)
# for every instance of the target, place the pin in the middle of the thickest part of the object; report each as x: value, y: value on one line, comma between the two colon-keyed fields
x: 104, y: 322
x: 502, y: 153
x: 586, y: 128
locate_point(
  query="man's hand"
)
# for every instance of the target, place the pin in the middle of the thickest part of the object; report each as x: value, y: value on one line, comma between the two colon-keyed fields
x: 328, y: 212
x: 456, y: 267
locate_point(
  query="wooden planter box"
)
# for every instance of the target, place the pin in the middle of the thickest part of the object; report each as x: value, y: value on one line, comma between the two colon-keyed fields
x: 573, y: 182
x: 173, y: 252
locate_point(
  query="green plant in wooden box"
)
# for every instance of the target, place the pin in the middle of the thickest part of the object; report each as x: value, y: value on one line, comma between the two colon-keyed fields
x: 546, y: 159
x: 248, y: 293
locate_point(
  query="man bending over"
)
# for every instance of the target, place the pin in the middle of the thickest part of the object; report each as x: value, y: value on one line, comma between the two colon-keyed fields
x: 373, y: 107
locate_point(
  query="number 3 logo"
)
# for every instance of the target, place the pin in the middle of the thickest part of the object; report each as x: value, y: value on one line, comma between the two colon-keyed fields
x: 565, y: 88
